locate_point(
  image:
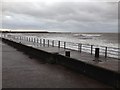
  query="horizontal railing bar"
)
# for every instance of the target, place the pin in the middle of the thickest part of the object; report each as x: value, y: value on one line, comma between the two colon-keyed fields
x: 69, y: 45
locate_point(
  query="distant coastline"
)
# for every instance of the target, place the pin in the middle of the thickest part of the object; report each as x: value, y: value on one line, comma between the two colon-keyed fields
x: 52, y: 32
x: 23, y: 32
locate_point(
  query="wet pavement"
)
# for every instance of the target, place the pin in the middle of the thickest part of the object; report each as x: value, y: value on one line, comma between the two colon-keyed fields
x: 22, y: 71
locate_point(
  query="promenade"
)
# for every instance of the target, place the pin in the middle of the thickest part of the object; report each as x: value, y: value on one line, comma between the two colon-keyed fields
x: 22, y: 71
x: 106, y: 63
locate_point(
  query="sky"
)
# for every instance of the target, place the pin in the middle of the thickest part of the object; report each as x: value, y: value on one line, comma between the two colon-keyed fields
x: 60, y: 15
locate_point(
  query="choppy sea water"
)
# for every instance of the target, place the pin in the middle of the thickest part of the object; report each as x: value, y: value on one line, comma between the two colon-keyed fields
x: 102, y: 39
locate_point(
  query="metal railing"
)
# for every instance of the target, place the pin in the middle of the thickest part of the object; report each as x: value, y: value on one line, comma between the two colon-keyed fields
x: 104, y: 51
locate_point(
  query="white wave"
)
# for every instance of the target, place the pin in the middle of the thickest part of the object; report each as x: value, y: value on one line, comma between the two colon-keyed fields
x: 91, y: 35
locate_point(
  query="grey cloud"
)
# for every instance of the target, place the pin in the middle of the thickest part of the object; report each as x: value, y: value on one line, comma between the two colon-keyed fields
x: 68, y: 16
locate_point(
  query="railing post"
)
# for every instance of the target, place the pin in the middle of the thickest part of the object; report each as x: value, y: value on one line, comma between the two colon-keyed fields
x: 58, y: 44
x: 64, y: 45
x: 80, y: 47
x: 34, y: 39
x: 48, y: 43
x: 91, y: 49
x: 37, y: 40
x: 105, y: 52
x: 40, y: 41
x: 43, y: 42
x: 53, y: 43
x: 29, y: 39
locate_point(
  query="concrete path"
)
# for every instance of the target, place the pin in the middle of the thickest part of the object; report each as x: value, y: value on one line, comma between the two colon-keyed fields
x: 107, y: 63
x: 21, y: 71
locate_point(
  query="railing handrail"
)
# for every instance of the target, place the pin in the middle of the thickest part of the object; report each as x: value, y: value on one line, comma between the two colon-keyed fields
x: 105, y: 50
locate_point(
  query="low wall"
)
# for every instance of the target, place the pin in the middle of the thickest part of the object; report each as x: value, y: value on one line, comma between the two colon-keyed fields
x: 109, y: 77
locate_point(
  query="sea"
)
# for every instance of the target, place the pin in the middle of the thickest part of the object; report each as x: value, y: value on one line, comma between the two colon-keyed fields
x: 101, y: 39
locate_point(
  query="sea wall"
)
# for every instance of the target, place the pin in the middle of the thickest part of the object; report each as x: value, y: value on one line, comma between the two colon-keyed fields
x: 109, y: 77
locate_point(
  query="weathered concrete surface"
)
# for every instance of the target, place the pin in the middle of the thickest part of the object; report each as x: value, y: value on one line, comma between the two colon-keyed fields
x: 21, y: 71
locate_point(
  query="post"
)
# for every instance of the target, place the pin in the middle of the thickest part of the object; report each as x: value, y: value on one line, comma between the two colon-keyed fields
x: 105, y: 52
x: 91, y: 49
x: 80, y: 47
x: 30, y: 39
x: 43, y: 42
x: 58, y: 44
x: 64, y: 45
x: 48, y: 43
x: 67, y: 53
x: 37, y: 40
x: 96, y: 52
x: 27, y: 39
x: 34, y: 39
x: 40, y: 41
x: 53, y: 43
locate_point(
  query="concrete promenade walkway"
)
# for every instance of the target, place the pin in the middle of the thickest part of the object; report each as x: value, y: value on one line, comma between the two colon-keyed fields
x: 106, y: 63
x: 21, y: 71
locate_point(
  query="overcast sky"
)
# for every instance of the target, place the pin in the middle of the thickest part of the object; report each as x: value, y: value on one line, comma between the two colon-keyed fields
x: 59, y: 15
